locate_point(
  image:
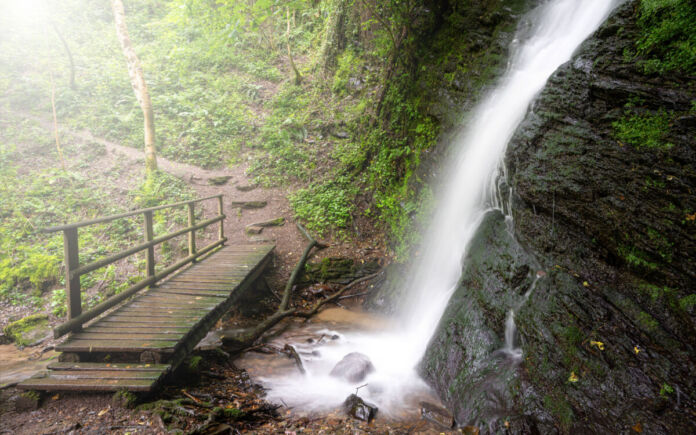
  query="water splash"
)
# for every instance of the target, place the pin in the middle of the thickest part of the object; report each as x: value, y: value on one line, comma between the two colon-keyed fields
x: 554, y: 32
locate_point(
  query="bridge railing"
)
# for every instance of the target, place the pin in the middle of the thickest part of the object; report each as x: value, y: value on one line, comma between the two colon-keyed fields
x: 73, y: 268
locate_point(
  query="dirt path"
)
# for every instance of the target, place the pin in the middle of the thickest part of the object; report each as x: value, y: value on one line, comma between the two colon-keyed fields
x: 288, y: 240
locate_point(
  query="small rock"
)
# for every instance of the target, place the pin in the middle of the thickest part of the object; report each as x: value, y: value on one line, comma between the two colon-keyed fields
x: 359, y: 409
x: 436, y: 414
x: 219, y: 181
x: 245, y: 187
x: 353, y: 368
x: 277, y: 222
x: 248, y: 204
x: 253, y: 229
x: 340, y: 135
x: 27, y: 401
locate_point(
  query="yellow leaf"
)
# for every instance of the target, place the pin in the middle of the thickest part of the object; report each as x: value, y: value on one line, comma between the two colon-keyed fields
x: 638, y: 427
x: 691, y: 217
x: 586, y: 284
x: 599, y: 344
x: 636, y: 349
x: 56, y: 397
x: 573, y: 377
x: 102, y: 412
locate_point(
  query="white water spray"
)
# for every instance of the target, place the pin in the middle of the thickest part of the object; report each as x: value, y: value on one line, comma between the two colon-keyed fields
x: 558, y: 28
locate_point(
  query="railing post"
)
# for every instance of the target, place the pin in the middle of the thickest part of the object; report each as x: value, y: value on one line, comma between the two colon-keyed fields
x: 192, y: 233
x: 221, y: 231
x: 149, y: 235
x: 72, y: 262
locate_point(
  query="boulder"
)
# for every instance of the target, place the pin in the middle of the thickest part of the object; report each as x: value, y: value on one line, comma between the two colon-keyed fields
x: 359, y: 409
x: 354, y: 368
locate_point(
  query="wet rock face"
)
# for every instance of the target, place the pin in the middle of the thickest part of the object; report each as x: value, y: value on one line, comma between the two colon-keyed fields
x: 353, y: 368
x: 609, y: 334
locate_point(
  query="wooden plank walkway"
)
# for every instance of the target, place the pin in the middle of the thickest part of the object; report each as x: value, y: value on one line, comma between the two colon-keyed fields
x: 155, y: 330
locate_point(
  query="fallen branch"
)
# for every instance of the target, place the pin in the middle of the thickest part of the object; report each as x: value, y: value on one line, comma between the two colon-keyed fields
x: 356, y: 295
x: 238, y: 342
x: 310, y: 238
x: 334, y: 297
x: 292, y: 353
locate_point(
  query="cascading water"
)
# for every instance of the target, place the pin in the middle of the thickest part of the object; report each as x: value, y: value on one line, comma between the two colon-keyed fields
x: 557, y: 29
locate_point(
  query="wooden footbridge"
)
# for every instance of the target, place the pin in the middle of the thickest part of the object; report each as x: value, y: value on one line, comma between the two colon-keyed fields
x: 136, y: 338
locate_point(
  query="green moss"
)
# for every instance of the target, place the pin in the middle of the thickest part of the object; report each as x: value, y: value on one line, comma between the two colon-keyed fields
x: 644, y: 130
x: 647, y: 321
x: 636, y: 258
x: 27, y: 330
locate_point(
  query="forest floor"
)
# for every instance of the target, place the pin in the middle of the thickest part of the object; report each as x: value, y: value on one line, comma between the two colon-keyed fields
x: 221, y: 382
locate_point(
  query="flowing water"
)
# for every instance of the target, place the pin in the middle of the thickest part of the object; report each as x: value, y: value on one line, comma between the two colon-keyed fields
x: 553, y: 33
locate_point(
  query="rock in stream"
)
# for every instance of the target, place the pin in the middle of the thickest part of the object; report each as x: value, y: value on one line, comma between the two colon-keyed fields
x: 353, y: 368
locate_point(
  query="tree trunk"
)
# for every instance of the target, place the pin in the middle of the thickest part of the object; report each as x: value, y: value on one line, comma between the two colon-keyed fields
x: 298, y: 76
x: 69, y: 53
x: 335, y: 39
x: 137, y: 78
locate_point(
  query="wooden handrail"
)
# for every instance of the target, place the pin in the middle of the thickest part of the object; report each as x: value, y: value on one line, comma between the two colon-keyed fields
x: 73, y: 270
x: 123, y: 215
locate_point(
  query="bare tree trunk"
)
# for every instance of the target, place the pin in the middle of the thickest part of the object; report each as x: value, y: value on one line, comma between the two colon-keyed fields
x: 298, y: 76
x: 137, y: 78
x: 69, y: 53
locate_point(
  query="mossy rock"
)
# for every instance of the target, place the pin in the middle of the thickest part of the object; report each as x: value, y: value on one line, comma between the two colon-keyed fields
x: 219, y: 181
x: 124, y: 399
x: 28, y: 331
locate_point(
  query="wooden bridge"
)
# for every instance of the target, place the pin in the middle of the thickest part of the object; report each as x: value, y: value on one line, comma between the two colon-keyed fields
x: 136, y: 338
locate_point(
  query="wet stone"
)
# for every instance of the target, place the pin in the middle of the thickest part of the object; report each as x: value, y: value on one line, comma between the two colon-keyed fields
x: 436, y: 414
x: 354, y: 368
x: 359, y: 409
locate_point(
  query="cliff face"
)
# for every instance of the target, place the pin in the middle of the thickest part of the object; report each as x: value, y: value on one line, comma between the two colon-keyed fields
x: 603, y: 179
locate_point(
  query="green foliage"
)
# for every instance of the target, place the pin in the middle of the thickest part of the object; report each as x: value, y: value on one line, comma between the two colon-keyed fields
x: 644, y: 131
x: 326, y: 205
x: 666, y: 390
x: 687, y: 303
x: 58, y: 302
x: 668, y: 41
x: 161, y: 188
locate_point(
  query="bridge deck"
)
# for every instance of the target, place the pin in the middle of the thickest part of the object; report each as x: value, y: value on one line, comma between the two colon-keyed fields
x: 155, y: 330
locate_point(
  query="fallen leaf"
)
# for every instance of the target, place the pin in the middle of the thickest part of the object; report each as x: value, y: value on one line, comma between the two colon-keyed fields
x: 636, y: 349
x: 56, y: 397
x: 691, y: 217
x: 638, y: 427
x: 585, y: 284
x: 599, y: 344
x: 102, y: 412
x: 573, y: 377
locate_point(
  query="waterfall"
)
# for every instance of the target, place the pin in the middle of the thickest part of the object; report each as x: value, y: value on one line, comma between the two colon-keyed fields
x: 555, y: 30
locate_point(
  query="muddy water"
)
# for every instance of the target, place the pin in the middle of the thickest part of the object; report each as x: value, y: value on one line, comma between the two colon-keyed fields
x: 317, y: 342
x: 17, y: 364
